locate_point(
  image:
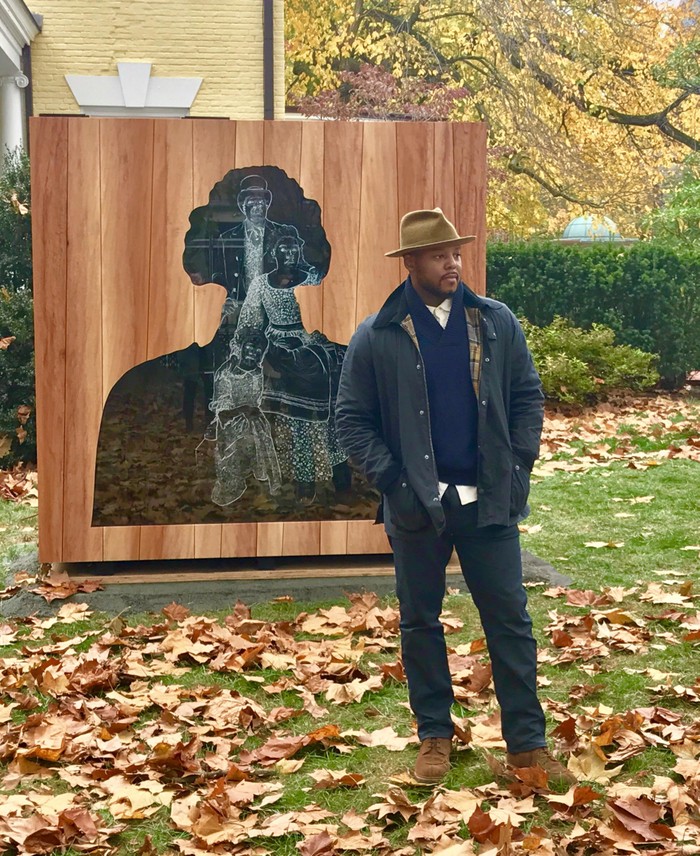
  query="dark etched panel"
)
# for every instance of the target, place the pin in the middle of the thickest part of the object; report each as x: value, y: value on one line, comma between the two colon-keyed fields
x: 242, y: 429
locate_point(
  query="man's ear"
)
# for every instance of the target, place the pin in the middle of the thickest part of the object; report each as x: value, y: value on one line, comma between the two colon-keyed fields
x: 409, y: 261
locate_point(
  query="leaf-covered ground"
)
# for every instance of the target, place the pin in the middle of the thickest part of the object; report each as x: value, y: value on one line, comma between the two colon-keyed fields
x: 285, y: 728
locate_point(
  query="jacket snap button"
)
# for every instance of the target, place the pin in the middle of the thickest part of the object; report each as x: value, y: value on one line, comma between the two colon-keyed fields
x: 517, y: 466
x: 487, y: 359
x: 427, y: 457
x: 421, y: 412
x: 484, y: 403
x: 436, y: 499
x: 418, y: 367
x: 403, y: 484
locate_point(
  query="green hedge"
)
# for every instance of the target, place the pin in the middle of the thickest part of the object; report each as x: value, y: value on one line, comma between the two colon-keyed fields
x: 648, y: 294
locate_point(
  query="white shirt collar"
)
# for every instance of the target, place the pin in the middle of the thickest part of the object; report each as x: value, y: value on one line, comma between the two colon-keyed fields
x: 442, y: 312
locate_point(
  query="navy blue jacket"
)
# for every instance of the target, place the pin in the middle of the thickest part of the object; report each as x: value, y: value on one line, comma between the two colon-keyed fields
x: 383, y: 419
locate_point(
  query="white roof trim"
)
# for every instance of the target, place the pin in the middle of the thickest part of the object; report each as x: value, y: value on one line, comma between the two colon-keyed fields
x: 17, y: 22
x: 17, y: 29
x: 134, y: 92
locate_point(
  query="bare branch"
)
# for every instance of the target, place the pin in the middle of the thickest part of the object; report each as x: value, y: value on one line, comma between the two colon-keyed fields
x: 517, y: 165
x: 659, y: 120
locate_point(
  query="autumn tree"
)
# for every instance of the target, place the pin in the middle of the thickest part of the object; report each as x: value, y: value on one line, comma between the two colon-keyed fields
x: 588, y: 104
x: 677, y: 221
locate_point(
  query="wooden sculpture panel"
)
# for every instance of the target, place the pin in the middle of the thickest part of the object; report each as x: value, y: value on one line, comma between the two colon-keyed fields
x: 187, y: 353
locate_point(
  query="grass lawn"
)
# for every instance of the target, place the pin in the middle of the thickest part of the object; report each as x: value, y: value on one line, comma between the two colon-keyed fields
x: 18, y: 531
x: 134, y: 722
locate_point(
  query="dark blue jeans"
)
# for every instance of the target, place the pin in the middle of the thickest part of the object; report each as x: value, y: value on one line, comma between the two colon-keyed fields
x: 492, y: 569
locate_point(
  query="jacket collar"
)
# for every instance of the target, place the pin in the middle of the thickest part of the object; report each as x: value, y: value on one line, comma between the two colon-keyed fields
x: 396, y: 307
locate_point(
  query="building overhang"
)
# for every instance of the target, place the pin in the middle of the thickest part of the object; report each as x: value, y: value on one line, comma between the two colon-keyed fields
x: 133, y: 92
x: 18, y: 28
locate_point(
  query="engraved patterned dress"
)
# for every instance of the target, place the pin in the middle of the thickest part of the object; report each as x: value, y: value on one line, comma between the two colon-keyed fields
x: 301, y: 372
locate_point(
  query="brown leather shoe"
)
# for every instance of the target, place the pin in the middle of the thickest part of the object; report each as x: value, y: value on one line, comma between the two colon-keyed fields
x: 556, y: 772
x: 433, y: 759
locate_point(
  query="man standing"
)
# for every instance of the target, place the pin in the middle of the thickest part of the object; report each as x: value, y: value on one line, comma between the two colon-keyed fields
x: 441, y: 408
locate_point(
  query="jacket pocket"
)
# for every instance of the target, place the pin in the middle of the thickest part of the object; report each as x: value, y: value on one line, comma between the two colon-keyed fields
x: 519, y: 487
x: 405, y: 509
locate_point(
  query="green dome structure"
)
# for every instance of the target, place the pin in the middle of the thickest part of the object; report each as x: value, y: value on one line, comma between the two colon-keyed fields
x: 589, y: 228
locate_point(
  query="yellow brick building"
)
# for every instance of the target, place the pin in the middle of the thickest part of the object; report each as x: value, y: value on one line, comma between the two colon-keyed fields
x: 158, y: 57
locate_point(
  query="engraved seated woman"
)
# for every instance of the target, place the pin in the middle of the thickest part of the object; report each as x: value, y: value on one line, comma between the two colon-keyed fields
x: 301, y: 373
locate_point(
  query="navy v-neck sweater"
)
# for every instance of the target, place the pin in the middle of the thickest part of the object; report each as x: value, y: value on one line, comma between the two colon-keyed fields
x: 453, y: 405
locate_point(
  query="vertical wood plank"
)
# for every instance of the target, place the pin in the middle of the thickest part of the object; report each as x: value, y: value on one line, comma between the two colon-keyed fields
x: 443, y: 170
x: 378, y: 276
x: 470, y: 184
x: 301, y: 538
x: 270, y: 539
x: 416, y: 167
x: 239, y: 540
x: 249, y: 144
x: 126, y: 152
x: 342, y: 168
x: 283, y: 148
x: 214, y: 154
x: 364, y: 536
x: 170, y: 291
x: 207, y: 541
x: 83, y: 404
x: 174, y: 541
x: 334, y: 538
x: 312, y: 183
x: 214, y: 148
x: 49, y: 228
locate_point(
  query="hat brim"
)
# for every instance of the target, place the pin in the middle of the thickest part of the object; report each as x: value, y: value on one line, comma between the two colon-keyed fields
x: 463, y: 239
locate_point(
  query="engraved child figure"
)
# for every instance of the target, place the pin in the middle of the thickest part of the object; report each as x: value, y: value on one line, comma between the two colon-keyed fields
x: 244, y: 444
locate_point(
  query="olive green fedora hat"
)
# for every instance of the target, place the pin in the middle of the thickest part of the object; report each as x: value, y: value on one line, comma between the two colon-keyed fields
x: 427, y: 228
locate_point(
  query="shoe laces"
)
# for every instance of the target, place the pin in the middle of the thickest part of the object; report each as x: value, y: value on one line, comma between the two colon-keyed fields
x: 434, y: 744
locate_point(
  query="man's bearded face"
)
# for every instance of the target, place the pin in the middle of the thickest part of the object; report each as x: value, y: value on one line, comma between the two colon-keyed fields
x: 255, y: 208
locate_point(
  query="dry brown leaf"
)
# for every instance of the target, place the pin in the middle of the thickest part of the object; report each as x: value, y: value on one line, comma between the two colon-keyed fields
x: 328, y: 779
x: 318, y: 845
x: 600, y: 544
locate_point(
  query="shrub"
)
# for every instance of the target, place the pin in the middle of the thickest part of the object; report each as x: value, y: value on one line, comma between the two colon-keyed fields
x: 17, y: 422
x: 17, y: 431
x: 648, y: 294
x: 15, y: 222
x: 579, y: 366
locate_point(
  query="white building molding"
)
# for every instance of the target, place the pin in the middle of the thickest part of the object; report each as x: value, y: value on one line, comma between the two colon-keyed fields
x: 134, y: 92
x: 18, y: 27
